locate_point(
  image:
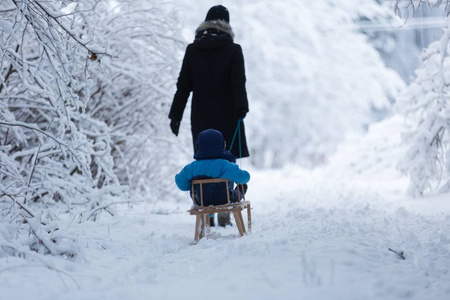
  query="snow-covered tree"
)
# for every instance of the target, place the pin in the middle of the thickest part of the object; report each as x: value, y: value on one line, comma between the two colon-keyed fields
x: 425, y: 106
x: 52, y: 152
x: 83, y: 116
x: 132, y: 94
x: 407, y: 8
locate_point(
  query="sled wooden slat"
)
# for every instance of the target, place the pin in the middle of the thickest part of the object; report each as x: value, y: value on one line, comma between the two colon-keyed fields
x: 202, y: 212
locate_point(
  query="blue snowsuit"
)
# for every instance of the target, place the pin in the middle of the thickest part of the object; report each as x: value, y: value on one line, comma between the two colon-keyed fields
x: 212, y: 161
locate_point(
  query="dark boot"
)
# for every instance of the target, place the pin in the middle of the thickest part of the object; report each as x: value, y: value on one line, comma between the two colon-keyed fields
x: 224, y: 219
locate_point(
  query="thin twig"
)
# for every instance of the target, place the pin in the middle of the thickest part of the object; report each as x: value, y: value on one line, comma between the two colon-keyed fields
x: 19, y: 204
x: 68, y: 32
x: 11, y: 70
x: 107, y: 205
x: 400, y: 254
x: 34, y: 160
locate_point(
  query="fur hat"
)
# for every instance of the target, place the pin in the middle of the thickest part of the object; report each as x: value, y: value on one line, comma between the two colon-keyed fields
x: 218, y: 12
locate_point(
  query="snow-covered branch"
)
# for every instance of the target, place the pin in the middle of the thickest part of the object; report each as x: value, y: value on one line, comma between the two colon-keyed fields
x: 407, y: 8
x: 46, y: 158
x: 77, y: 134
x: 425, y: 106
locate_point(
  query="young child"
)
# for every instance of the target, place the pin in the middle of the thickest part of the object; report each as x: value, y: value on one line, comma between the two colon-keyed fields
x: 212, y: 161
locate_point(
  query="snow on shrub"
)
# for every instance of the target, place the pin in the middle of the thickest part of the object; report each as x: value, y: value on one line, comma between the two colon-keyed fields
x: 52, y: 153
x: 83, y: 113
x: 131, y: 94
x: 425, y: 107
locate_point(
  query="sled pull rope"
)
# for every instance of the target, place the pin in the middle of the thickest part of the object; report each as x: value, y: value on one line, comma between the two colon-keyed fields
x: 234, y: 137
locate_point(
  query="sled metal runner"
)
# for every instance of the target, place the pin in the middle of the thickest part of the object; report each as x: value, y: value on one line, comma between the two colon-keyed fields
x: 202, y: 212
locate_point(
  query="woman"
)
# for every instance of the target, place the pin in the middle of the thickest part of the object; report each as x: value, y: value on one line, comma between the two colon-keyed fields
x: 213, y: 69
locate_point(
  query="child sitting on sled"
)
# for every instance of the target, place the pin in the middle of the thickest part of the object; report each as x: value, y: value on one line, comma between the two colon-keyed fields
x: 213, y: 161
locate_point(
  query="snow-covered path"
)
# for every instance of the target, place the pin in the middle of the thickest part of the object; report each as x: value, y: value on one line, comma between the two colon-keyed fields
x: 312, y: 239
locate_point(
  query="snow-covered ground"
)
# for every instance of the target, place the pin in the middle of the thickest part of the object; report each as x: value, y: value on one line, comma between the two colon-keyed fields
x: 346, y: 230
x: 315, y: 236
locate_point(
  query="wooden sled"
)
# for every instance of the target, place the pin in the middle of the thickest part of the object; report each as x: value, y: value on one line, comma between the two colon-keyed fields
x: 202, y: 212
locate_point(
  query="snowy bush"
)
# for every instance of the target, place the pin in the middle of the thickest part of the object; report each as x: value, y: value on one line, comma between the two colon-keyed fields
x: 131, y: 93
x: 52, y: 152
x: 83, y: 113
x: 425, y: 107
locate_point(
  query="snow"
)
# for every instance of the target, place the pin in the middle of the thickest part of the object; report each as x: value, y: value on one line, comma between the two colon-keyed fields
x: 312, y: 80
x: 332, y: 232
x: 314, y: 237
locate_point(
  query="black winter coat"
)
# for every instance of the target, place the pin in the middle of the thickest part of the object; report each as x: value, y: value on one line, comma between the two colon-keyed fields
x: 213, y: 69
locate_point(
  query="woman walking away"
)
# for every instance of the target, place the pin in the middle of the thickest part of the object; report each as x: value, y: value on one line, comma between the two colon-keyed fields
x: 213, y: 69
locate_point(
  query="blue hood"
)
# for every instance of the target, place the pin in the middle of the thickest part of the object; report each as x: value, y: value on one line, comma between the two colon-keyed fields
x: 210, y: 145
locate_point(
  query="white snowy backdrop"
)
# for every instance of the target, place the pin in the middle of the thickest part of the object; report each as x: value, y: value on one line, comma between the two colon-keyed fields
x: 312, y: 79
x: 87, y: 158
